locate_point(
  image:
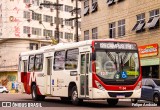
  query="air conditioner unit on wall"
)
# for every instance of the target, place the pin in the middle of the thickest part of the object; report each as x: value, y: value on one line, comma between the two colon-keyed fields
x: 40, y: 7
x: 40, y: 22
x: 29, y: 35
x: 51, y: 24
x: 28, y: 20
x: 51, y: 9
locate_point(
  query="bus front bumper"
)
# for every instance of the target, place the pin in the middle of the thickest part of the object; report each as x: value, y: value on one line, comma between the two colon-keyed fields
x: 104, y: 94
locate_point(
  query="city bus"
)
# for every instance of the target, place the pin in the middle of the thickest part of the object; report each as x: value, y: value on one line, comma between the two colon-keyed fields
x: 102, y: 69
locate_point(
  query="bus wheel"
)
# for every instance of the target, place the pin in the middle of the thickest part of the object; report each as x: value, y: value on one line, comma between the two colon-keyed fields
x: 34, y: 93
x: 112, y: 102
x: 35, y: 96
x: 134, y: 100
x: 74, y: 96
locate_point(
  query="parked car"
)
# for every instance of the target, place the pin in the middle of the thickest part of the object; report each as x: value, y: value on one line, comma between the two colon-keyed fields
x: 3, y: 89
x: 150, y: 90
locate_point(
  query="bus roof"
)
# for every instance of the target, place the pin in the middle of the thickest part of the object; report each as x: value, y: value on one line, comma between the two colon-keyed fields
x: 62, y: 46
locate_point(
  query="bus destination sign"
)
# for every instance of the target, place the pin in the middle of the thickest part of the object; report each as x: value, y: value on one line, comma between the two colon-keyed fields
x: 116, y: 45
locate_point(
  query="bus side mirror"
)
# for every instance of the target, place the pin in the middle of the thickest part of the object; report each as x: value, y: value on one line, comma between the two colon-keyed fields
x: 93, y: 57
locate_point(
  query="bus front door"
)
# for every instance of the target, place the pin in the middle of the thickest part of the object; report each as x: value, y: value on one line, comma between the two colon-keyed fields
x: 48, y: 75
x: 84, y: 74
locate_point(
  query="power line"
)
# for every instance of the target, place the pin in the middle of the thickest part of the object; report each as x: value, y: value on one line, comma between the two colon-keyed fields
x: 76, y: 9
x: 57, y: 5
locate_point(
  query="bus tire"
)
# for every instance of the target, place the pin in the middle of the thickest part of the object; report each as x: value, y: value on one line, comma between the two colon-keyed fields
x: 35, y: 96
x: 134, y: 100
x: 74, y: 96
x: 112, y: 102
x: 34, y: 93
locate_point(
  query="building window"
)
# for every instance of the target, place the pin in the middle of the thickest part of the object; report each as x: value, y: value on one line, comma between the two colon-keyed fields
x: 26, y: 1
x: 86, y: 7
x: 43, y: 45
x: 68, y: 22
x: 112, y: 30
x: 68, y: 8
x: 86, y: 3
x: 39, y: 62
x: 36, y: 31
x: 61, y: 35
x: 110, y: 2
x: 154, y: 19
x: 47, y: 2
x: 86, y: 35
x: 26, y: 14
x: 26, y: 30
x: 36, y: 2
x: 59, y: 60
x: 95, y: 33
x: 79, y: 24
x: 47, y: 18
x: 33, y: 46
x: 71, y: 59
x: 121, y: 27
x: 68, y: 36
x: 47, y: 33
x: 59, y: 7
x: 36, y: 16
x: 139, y: 26
x: 60, y: 20
x: 94, y: 6
x: 79, y: 11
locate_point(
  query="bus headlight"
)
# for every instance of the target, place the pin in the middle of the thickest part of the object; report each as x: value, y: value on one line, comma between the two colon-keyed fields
x: 99, y: 86
x: 138, y: 85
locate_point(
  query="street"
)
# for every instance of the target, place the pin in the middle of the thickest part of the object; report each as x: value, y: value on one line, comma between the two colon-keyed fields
x: 56, y: 103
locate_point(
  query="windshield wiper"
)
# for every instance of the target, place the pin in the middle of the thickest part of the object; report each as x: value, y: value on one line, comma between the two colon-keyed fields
x: 112, y: 58
x: 122, y: 64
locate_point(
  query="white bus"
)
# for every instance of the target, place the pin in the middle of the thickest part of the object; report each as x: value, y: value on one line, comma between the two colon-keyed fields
x: 92, y: 69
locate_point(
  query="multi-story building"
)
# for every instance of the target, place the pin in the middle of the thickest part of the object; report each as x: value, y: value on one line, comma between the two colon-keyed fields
x: 26, y: 25
x: 134, y: 20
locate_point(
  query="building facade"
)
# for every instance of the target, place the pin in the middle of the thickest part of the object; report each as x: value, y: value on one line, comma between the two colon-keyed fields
x: 26, y: 25
x: 133, y: 20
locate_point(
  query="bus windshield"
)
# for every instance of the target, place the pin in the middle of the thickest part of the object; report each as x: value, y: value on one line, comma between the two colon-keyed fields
x: 117, y: 65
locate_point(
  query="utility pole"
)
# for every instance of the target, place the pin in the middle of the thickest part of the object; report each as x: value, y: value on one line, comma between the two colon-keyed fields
x: 76, y: 19
x: 77, y: 37
x: 57, y: 5
x: 57, y: 22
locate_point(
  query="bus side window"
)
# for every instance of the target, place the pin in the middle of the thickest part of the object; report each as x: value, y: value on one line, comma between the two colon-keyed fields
x: 31, y: 63
x: 59, y: 60
x: 71, y: 59
x: 25, y: 66
x: 39, y: 62
x: 19, y: 65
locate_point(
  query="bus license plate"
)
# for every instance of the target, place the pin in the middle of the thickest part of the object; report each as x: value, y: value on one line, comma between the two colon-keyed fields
x: 120, y: 96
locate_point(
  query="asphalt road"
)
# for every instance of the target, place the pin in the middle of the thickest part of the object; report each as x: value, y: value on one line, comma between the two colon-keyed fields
x: 18, y: 101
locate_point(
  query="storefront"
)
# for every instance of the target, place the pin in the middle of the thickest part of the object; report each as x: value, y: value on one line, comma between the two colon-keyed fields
x: 149, y: 61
